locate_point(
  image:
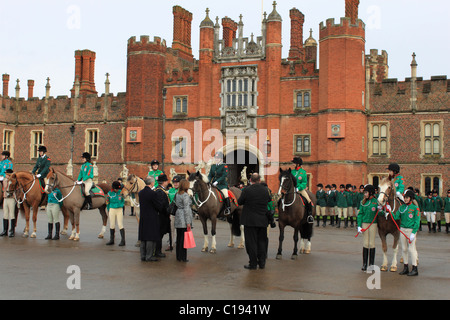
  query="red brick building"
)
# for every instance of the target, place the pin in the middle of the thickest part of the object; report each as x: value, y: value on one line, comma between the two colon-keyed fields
x: 346, y: 119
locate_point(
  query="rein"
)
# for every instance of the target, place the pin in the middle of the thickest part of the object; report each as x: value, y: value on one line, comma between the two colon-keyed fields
x: 207, y: 198
x: 24, y: 193
x: 63, y: 198
x: 135, y: 184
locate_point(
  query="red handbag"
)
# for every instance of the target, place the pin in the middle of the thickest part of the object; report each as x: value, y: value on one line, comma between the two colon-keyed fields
x: 189, y: 241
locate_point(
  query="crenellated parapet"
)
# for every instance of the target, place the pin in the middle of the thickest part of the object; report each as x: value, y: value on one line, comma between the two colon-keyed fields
x: 144, y: 45
x: 345, y: 28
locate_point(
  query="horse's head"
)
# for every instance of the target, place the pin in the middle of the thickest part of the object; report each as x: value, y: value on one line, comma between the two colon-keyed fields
x: 129, y: 185
x: 287, y: 181
x: 386, y: 190
x: 12, y: 184
x: 196, y: 180
x: 52, y: 181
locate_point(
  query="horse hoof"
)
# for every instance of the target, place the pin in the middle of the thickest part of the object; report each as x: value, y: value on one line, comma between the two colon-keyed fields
x: 64, y: 232
x: 33, y: 235
x: 205, y: 249
x: 384, y: 268
x: 230, y: 245
x: 393, y: 269
x: 100, y: 236
x: 307, y: 252
x: 241, y: 246
x: 76, y: 239
x: 213, y: 251
x: 401, y: 260
x: 294, y: 257
x: 25, y: 235
x: 71, y: 237
x: 279, y: 256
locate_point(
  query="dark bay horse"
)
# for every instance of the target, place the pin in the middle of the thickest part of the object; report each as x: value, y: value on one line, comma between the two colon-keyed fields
x: 291, y: 212
x: 209, y: 207
x: 73, y: 199
x: 29, y: 194
x: 386, y: 224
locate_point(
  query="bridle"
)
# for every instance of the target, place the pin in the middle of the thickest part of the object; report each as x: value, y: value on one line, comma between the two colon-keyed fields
x: 51, y: 187
x: 194, y: 192
x: 285, y: 191
x: 16, y: 188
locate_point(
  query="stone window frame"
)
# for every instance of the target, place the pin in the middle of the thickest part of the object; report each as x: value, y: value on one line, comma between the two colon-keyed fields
x: 36, y: 140
x: 182, y: 140
x: 302, y: 108
x: 8, y: 141
x: 379, y: 139
x: 432, y: 177
x: 432, y: 138
x: 92, y: 146
x: 180, y: 99
x: 303, y: 152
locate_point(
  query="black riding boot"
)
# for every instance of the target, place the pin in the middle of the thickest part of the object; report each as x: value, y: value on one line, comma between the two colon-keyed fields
x: 332, y: 221
x: 227, y: 210
x: 405, y: 270
x: 365, y: 258
x: 111, y: 238
x: 318, y: 221
x: 50, y: 231
x: 13, y: 228
x: 5, y: 228
x: 371, y: 256
x: 413, y: 272
x: 446, y: 227
x: 338, y: 222
x: 88, y: 202
x: 122, y: 235
x: 429, y: 227
x: 57, y: 227
x: 345, y: 222
x: 324, y: 221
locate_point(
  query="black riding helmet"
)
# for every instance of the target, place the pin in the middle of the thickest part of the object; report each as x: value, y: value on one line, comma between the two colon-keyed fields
x: 370, y: 188
x: 6, y: 153
x: 394, y: 167
x: 42, y: 148
x: 87, y: 156
x: 116, y: 185
x: 409, y: 193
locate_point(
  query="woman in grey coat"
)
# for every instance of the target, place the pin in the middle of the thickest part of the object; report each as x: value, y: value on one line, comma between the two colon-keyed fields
x: 183, y: 218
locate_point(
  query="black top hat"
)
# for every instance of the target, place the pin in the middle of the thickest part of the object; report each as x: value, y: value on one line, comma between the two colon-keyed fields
x: 162, y: 178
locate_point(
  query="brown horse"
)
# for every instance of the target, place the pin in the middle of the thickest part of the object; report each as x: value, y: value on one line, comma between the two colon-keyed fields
x: 29, y: 194
x: 132, y: 187
x: 386, y: 223
x: 291, y: 212
x: 209, y: 206
x: 73, y: 200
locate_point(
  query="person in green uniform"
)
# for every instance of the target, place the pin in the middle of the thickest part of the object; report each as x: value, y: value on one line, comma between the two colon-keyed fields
x: 447, y: 211
x: 172, y: 192
x: 115, y: 203
x: 409, y: 214
x: 368, y: 224
x: 42, y: 165
x: 321, y: 204
x: 331, y: 202
x: 5, y: 164
x: 155, y: 172
x: 86, y: 176
x: 349, y: 191
x: 399, y: 182
x: 439, y: 205
x: 341, y: 202
x: 429, y: 210
x: 302, y: 181
x: 218, y: 178
x: 53, y: 210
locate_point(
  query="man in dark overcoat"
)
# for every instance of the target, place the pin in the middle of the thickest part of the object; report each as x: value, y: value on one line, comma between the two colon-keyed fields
x: 255, y: 220
x: 149, y: 226
x: 164, y: 216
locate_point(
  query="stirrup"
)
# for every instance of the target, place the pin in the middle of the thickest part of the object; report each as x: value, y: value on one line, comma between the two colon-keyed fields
x: 227, y: 212
x: 310, y: 219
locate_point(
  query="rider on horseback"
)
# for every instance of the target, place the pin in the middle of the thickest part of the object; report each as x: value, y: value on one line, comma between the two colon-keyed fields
x: 42, y: 165
x: 302, y: 179
x: 86, y: 175
x: 5, y: 164
x: 218, y: 178
x: 399, y: 182
x: 155, y: 172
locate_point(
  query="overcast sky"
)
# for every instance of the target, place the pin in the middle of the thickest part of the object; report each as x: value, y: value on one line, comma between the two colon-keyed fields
x: 39, y: 37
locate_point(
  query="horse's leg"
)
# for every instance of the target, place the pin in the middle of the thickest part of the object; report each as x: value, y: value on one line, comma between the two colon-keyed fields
x: 213, y: 235
x: 242, y: 244
x: 384, y: 266
x: 393, y: 267
x: 205, y: 234
x: 104, y: 215
x: 77, y: 224
x: 65, y: 213
x: 294, y: 253
x: 231, y: 243
x: 280, y: 240
x: 35, y: 212
x: 26, y: 209
x: 72, y: 222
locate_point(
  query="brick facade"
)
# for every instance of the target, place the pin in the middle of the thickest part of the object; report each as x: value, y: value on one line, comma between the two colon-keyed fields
x: 244, y: 85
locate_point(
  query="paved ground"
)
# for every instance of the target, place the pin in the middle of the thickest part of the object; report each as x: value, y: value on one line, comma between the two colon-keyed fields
x: 38, y: 268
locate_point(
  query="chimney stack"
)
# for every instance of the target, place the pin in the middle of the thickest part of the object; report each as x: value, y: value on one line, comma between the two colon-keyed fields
x: 351, y: 10
x: 297, y: 21
x: 182, y: 20
x: 229, y: 31
x: 5, y: 85
x: 30, y: 89
x: 85, y: 71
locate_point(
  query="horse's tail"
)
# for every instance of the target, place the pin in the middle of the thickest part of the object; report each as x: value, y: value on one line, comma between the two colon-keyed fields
x: 235, y: 222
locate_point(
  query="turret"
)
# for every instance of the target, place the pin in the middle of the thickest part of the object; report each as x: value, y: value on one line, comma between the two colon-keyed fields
x: 206, y: 66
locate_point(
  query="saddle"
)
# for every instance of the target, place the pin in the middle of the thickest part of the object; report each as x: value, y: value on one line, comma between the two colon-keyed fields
x: 94, y: 192
x: 231, y: 196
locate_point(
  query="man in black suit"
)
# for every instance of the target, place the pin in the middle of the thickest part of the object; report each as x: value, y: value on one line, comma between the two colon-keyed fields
x: 255, y: 199
x: 149, y: 233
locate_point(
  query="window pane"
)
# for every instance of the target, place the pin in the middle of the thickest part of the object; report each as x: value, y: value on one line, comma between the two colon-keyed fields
x: 427, y: 146
x: 246, y: 85
x: 436, y: 130
x: 375, y: 133
x: 240, y: 85
x: 306, y: 144
x: 234, y: 85
x: 383, y: 147
x: 228, y: 100
x: 427, y: 185
x: 229, y: 86
x: 240, y: 100
x: 307, y: 104
x: 185, y: 105
x: 383, y: 131
x: 178, y: 108
x: 245, y: 100
x: 299, y: 100
x: 376, y: 147
x: 436, y: 184
x: 436, y: 146
x: 299, y: 145
x: 428, y: 130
